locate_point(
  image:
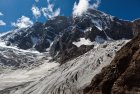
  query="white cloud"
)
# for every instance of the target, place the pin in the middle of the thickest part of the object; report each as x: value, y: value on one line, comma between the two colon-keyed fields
x: 2, y: 23
x: 83, y: 6
x: 36, y: 0
x: 36, y: 12
x: 96, y: 4
x: 23, y: 22
x: 49, y: 12
x: 1, y: 14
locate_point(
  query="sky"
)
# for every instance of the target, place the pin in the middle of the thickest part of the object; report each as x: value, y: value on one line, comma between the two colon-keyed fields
x: 12, y: 12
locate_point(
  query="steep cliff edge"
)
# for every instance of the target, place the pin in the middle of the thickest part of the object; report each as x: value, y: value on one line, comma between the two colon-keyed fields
x: 122, y: 75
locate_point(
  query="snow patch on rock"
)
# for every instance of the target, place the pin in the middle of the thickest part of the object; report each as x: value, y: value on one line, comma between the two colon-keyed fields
x: 83, y: 41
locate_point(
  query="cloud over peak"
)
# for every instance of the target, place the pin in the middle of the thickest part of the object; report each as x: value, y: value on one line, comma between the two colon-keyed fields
x: 23, y: 22
x: 96, y: 4
x: 83, y: 5
x: 36, y: 12
x: 49, y: 11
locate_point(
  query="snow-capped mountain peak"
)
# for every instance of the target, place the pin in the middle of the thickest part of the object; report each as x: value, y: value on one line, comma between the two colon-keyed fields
x: 62, y: 55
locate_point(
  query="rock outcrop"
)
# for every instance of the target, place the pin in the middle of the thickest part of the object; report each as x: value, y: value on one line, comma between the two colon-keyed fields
x: 122, y: 75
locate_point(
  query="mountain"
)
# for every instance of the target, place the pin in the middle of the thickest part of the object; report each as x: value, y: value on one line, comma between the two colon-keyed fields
x: 122, y: 75
x: 67, y: 55
x: 59, y: 34
x: 39, y: 36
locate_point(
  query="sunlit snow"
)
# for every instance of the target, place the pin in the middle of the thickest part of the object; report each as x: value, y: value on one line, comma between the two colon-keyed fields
x: 83, y: 41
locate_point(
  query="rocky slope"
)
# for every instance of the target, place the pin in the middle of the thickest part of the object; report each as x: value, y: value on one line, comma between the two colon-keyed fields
x: 18, y: 58
x: 122, y: 75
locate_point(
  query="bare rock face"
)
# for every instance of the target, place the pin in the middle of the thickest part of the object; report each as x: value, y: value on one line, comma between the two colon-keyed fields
x: 136, y: 27
x: 122, y: 75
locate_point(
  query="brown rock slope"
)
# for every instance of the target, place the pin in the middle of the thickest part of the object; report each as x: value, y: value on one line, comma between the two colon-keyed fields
x: 122, y: 76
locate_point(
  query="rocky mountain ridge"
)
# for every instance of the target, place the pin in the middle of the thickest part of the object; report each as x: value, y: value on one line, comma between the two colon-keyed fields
x: 122, y: 75
x: 63, y: 56
x: 59, y: 34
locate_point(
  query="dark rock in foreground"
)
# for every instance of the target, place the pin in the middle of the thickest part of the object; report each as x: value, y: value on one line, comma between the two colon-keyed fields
x: 122, y: 76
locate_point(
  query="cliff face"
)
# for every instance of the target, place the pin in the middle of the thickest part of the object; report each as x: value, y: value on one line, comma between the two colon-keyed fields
x: 122, y: 75
x: 136, y: 27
